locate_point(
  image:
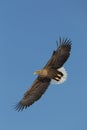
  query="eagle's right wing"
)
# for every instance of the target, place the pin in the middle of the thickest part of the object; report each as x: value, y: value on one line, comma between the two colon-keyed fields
x: 60, y: 55
x: 34, y: 93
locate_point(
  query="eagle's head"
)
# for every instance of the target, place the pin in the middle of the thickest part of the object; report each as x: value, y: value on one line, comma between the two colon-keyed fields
x: 42, y: 72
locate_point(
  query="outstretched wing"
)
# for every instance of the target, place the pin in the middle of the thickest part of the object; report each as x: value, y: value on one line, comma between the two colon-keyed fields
x: 60, y: 55
x: 34, y: 93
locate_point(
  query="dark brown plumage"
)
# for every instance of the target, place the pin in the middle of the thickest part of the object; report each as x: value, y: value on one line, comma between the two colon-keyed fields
x: 50, y: 71
x: 60, y: 55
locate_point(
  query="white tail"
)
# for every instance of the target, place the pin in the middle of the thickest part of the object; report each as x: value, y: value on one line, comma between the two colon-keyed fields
x: 63, y: 79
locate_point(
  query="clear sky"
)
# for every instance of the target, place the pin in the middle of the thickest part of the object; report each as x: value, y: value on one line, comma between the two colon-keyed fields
x: 28, y: 33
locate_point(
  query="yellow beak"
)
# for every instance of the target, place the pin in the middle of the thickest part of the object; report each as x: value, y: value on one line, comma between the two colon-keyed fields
x: 35, y: 73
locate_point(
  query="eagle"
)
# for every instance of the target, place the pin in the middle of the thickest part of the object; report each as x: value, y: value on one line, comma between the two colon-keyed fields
x: 52, y: 72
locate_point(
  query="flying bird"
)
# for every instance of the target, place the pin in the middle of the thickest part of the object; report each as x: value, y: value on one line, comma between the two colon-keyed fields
x: 51, y: 72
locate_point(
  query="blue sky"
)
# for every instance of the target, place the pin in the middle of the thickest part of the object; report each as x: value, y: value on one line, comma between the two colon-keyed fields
x: 28, y: 34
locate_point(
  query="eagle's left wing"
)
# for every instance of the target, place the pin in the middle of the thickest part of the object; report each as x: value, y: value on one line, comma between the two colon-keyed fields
x: 34, y: 93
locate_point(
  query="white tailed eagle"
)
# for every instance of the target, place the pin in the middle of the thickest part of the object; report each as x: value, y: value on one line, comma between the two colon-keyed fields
x: 52, y: 71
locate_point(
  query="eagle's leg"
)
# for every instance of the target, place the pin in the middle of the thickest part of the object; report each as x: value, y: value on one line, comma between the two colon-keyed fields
x: 58, y: 76
x: 55, y: 74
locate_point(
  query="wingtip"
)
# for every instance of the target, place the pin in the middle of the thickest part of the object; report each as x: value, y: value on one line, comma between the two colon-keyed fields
x: 64, y: 41
x: 19, y: 107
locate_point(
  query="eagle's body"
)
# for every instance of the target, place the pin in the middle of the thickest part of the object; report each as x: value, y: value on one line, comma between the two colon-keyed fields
x: 52, y: 71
